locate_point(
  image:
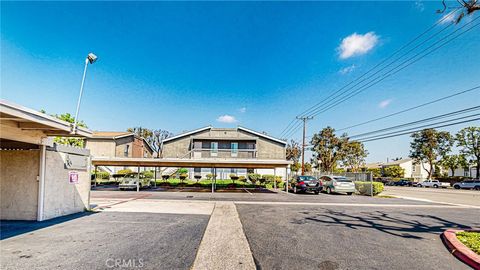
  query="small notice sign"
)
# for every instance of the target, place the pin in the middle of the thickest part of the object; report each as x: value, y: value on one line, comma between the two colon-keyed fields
x: 73, y: 177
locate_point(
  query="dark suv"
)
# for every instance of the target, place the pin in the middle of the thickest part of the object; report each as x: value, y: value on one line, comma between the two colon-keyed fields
x: 403, y: 183
x: 304, y: 183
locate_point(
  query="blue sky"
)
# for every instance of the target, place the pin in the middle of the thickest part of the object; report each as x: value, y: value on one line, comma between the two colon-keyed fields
x: 183, y: 65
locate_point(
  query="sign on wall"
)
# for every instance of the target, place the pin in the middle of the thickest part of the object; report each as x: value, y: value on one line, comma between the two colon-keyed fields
x: 73, y: 177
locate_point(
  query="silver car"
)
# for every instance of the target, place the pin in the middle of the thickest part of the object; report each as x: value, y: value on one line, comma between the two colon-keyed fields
x: 468, y: 184
x: 130, y: 180
x: 337, y: 184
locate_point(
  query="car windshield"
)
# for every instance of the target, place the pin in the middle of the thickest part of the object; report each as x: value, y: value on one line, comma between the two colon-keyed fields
x: 307, y: 178
x: 341, y: 179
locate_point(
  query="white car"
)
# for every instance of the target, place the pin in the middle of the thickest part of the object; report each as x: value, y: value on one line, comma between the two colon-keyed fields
x: 433, y: 183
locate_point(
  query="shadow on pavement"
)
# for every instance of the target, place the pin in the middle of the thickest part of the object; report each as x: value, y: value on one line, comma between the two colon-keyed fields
x: 11, y: 228
x: 384, y: 222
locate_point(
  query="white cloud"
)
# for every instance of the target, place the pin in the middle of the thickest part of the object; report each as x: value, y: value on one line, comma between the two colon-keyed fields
x: 357, y: 44
x: 243, y: 110
x: 383, y: 104
x: 419, y: 6
x: 347, y: 70
x: 226, y: 119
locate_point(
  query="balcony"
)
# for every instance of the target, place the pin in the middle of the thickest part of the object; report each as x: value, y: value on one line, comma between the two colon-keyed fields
x: 224, y: 153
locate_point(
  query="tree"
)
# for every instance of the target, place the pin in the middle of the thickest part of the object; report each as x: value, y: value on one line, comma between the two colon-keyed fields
x: 453, y: 162
x: 354, y: 156
x: 308, y: 167
x: 77, y: 142
x: 153, y: 137
x: 328, y: 149
x: 293, y: 151
x: 295, y: 167
x: 428, y: 145
x: 394, y: 171
x: 468, y: 139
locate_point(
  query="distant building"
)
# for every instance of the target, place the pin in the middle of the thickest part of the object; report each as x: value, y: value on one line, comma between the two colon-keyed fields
x: 239, y: 143
x: 411, y: 170
x: 118, y: 144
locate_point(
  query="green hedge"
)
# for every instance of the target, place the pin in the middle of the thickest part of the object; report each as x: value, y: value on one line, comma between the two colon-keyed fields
x: 364, y: 187
x: 102, y: 175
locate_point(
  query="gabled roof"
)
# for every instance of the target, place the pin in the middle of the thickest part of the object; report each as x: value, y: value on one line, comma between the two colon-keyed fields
x: 186, y: 134
x: 397, y: 162
x: 110, y: 134
x: 259, y: 134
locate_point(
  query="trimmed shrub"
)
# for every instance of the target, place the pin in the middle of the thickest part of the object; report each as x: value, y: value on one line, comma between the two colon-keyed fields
x: 234, y: 177
x: 242, y: 178
x: 125, y: 171
x: 268, y: 178
x: 364, y: 188
x: 197, y: 177
x: 182, y: 171
x: 165, y: 177
x: 102, y: 175
x: 147, y: 174
x: 210, y: 176
x: 183, y: 176
x: 254, y: 177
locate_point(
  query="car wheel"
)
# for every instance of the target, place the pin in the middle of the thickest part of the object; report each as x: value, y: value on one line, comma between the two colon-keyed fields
x: 435, y: 186
x: 476, y: 188
x: 329, y: 190
x: 419, y: 185
x: 295, y: 189
x: 456, y: 187
x: 317, y: 192
x: 349, y: 193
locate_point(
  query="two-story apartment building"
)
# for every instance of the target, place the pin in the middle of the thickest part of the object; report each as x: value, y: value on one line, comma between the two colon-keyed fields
x: 228, y: 144
x: 118, y: 144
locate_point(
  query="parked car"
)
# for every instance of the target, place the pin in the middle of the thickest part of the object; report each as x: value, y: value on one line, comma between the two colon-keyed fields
x: 468, y: 184
x: 129, y: 181
x: 337, y: 184
x: 305, y: 183
x: 403, y: 183
x: 433, y: 183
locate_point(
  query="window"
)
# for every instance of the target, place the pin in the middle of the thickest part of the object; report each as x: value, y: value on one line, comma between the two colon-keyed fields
x: 234, y: 149
x: 233, y: 170
x: 127, y: 147
x: 214, y: 149
x: 197, y: 170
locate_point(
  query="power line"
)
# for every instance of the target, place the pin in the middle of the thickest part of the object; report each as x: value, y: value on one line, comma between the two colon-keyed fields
x: 386, y: 75
x: 377, y: 65
x: 429, y: 119
x: 411, y: 108
x: 409, y: 132
x: 384, y: 60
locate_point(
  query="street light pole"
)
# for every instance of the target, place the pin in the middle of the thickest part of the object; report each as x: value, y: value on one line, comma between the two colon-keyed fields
x: 91, y: 58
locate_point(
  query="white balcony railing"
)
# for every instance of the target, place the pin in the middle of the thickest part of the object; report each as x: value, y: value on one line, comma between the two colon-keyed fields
x: 224, y: 153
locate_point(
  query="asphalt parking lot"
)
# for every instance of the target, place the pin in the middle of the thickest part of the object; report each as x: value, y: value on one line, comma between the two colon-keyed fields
x: 165, y: 230
x: 453, y: 196
x: 100, y: 240
x: 309, y: 237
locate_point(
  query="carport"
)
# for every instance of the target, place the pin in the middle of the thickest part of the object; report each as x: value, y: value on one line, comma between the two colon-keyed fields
x: 194, y: 163
x: 39, y: 179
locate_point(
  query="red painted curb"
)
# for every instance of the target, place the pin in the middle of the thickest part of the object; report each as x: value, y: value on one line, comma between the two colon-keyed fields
x: 459, y: 250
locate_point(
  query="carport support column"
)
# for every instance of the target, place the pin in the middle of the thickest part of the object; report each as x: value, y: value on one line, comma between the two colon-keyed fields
x: 138, y: 178
x: 155, y: 177
x: 275, y: 178
x: 41, y: 182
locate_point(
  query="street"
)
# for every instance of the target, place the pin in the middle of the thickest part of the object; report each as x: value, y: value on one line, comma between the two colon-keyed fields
x: 162, y: 230
x: 453, y: 196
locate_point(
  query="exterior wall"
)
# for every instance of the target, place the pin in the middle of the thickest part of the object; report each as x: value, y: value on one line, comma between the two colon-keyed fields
x: 61, y: 197
x: 177, y: 148
x: 101, y: 148
x: 270, y: 150
x: 19, y: 170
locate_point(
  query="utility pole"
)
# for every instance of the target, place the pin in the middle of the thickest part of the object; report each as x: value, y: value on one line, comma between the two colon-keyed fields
x: 304, y: 119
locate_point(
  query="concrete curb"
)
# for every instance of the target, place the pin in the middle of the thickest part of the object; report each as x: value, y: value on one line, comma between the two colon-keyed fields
x: 459, y: 250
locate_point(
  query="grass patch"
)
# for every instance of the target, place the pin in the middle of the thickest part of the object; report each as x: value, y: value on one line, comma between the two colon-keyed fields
x: 471, y: 240
x: 385, y: 196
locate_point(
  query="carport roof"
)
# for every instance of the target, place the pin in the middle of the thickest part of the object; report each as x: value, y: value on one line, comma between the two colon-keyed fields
x: 192, y: 163
x: 29, y: 119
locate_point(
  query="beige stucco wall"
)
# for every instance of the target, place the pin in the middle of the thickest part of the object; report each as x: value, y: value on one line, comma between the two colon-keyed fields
x: 177, y: 148
x: 18, y: 184
x: 101, y: 148
x: 269, y: 150
x: 61, y: 197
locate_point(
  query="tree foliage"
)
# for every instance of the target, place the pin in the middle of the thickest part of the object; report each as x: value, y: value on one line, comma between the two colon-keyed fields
x: 354, y: 156
x: 468, y: 139
x: 393, y: 171
x: 154, y: 137
x: 328, y: 149
x: 293, y: 151
x: 72, y: 141
x: 452, y: 162
x: 428, y: 145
